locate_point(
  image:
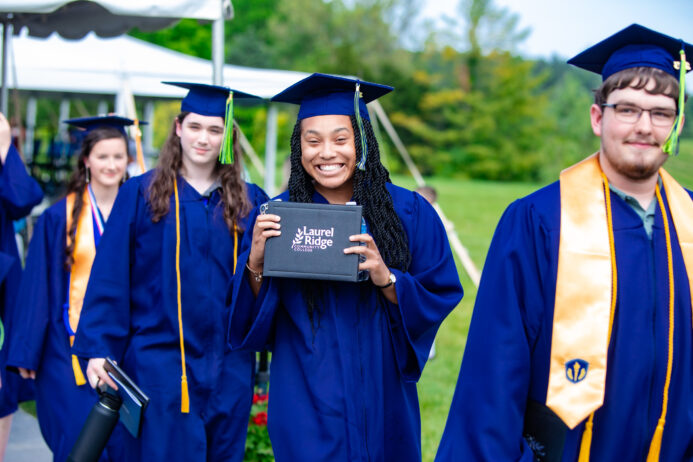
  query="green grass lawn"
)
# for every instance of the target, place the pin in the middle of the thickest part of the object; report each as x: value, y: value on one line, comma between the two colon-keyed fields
x: 474, y: 207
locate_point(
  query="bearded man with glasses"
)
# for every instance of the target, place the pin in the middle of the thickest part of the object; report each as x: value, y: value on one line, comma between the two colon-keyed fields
x: 581, y: 341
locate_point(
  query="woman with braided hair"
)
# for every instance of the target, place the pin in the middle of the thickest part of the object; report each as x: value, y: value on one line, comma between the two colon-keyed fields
x: 346, y: 356
x: 60, y: 257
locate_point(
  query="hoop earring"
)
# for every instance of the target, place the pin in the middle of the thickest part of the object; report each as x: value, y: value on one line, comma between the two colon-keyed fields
x: 88, y: 175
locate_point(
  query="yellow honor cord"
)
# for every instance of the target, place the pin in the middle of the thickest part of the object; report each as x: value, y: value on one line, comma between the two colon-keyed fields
x: 586, y: 442
x: 185, y: 397
x: 235, y: 246
x: 656, y: 443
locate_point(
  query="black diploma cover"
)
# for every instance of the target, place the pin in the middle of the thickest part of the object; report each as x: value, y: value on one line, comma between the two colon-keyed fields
x: 134, y: 400
x: 312, y: 242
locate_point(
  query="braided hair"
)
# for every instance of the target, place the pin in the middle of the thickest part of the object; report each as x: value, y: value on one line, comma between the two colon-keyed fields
x: 369, y: 191
x: 78, y: 182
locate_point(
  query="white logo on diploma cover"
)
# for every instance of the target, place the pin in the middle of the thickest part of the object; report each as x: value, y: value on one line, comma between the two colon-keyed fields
x: 309, y: 239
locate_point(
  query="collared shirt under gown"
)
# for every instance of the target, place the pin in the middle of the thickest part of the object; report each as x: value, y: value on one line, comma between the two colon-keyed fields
x: 344, y: 387
x: 130, y: 313
x: 19, y: 193
x: 506, y: 360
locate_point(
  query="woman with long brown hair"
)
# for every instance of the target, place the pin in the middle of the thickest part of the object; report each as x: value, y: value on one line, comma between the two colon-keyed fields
x: 156, y: 301
x: 60, y: 257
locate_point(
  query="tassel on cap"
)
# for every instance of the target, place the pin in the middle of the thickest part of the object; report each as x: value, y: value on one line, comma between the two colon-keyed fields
x: 671, y: 146
x: 226, y: 152
x: 359, y: 122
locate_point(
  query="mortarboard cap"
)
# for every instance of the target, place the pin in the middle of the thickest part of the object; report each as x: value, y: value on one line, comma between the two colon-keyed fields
x: 634, y: 46
x: 322, y: 94
x: 91, y: 123
x: 207, y: 100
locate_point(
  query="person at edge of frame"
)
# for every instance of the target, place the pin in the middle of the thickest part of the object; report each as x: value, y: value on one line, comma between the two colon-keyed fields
x: 19, y: 193
x: 55, y: 277
x: 346, y: 355
x: 580, y: 346
x: 156, y: 297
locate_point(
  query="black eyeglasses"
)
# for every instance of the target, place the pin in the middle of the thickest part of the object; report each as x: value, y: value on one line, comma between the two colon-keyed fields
x: 630, y: 114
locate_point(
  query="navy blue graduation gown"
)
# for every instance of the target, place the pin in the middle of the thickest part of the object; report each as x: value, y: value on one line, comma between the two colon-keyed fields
x: 506, y: 360
x: 130, y: 314
x: 346, y: 390
x: 39, y: 340
x: 19, y: 193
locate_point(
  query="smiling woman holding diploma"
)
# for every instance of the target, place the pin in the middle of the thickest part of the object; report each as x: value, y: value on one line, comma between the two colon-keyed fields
x: 346, y: 356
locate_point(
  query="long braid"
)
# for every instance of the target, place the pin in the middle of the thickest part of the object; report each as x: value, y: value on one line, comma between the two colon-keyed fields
x: 370, y: 192
x: 378, y: 209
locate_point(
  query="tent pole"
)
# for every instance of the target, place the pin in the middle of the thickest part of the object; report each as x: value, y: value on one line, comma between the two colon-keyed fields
x: 31, y: 107
x: 4, y: 94
x: 218, y: 51
x: 271, y: 149
x: 454, y: 239
x: 249, y: 151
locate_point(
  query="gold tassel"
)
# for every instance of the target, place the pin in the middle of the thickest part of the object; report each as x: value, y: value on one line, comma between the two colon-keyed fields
x: 185, y: 399
x: 656, y: 444
x: 79, y: 377
x: 586, y: 443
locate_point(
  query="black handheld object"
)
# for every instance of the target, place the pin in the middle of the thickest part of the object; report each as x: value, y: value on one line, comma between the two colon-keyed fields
x: 134, y: 400
x: 98, y: 427
x: 312, y: 242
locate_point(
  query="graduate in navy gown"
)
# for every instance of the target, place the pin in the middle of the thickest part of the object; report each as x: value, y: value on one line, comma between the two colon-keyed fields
x: 55, y: 278
x: 346, y: 356
x: 19, y: 193
x: 581, y: 345
x: 156, y: 297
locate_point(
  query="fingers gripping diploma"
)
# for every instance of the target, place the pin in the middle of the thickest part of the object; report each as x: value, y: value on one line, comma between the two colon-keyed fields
x: 266, y: 226
x: 374, y: 264
x: 97, y: 374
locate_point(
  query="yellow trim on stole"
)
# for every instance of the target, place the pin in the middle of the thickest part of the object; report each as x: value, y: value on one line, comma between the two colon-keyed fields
x: 83, y: 256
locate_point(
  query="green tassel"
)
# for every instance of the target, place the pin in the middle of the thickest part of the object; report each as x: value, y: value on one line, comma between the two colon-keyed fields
x: 226, y: 152
x: 671, y: 146
x: 359, y: 122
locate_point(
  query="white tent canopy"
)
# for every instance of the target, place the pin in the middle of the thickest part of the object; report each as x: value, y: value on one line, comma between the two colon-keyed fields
x: 101, y: 66
x: 108, y: 18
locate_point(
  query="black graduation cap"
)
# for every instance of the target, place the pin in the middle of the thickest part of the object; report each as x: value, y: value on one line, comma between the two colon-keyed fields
x: 207, y: 100
x: 91, y: 123
x: 323, y: 94
x: 634, y: 46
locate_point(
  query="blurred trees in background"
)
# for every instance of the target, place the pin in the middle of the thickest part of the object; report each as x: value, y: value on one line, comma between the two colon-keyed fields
x: 466, y: 103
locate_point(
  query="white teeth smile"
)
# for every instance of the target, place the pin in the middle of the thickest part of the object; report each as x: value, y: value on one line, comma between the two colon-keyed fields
x: 329, y: 168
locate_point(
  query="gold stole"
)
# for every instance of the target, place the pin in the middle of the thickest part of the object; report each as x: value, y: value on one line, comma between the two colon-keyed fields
x: 582, y: 312
x: 83, y: 256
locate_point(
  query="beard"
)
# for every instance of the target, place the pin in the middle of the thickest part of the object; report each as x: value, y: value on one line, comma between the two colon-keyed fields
x: 635, y: 167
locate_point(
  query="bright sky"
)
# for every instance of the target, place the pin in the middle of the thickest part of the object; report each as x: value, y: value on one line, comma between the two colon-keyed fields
x: 565, y: 28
